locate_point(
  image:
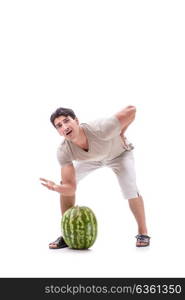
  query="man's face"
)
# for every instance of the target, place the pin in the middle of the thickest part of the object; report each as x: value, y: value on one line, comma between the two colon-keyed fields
x: 67, y: 127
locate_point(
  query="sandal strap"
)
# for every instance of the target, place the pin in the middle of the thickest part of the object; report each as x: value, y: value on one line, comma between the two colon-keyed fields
x: 59, y: 241
x: 143, y: 238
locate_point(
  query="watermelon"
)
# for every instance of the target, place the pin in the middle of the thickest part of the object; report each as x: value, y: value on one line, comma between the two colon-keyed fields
x: 79, y: 227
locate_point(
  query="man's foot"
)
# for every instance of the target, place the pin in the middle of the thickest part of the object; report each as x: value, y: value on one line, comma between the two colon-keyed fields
x: 59, y: 243
x: 143, y: 240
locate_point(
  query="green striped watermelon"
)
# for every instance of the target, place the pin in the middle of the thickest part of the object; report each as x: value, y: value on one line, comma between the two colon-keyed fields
x: 79, y: 227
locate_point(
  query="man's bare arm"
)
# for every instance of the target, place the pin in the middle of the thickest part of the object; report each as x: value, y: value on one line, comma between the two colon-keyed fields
x: 126, y: 117
x: 68, y: 180
x: 68, y: 183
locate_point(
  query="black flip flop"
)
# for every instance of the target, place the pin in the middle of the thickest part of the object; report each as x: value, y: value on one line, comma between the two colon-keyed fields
x: 142, y: 238
x: 60, y: 243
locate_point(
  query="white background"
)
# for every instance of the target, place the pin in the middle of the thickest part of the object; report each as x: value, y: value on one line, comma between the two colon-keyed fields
x: 95, y: 57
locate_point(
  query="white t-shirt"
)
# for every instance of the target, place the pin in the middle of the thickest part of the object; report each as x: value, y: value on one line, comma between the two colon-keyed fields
x: 104, y: 140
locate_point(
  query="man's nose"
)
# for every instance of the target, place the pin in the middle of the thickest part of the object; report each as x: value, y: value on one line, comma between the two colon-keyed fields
x: 65, y: 126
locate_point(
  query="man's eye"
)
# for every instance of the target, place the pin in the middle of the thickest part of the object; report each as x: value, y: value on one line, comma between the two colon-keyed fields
x: 59, y: 126
x: 66, y: 120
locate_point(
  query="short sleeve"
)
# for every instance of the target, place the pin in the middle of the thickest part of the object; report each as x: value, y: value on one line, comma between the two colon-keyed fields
x: 107, y: 128
x: 63, y: 156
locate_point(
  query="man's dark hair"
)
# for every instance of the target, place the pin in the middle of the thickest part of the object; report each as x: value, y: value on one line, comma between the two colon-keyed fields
x: 61, y: 111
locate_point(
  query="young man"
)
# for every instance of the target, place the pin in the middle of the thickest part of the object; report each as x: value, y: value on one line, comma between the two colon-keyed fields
x: 93, y: 145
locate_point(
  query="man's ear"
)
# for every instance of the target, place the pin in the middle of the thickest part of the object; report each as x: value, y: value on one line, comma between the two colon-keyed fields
x: 77, y: 121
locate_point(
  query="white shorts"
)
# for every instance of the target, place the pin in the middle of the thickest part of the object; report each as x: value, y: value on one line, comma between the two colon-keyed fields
x: 123, y: 167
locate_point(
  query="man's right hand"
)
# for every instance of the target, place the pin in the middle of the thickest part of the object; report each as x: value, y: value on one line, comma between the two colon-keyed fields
x: 68, y: 186
x: 50, y: 185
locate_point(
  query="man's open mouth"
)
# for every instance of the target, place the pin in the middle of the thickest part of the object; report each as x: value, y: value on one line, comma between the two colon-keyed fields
x: 68, y: 132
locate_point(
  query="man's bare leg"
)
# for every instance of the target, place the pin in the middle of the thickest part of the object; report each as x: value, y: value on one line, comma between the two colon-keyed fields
x: 137, y: 208
x: 66, y: 202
